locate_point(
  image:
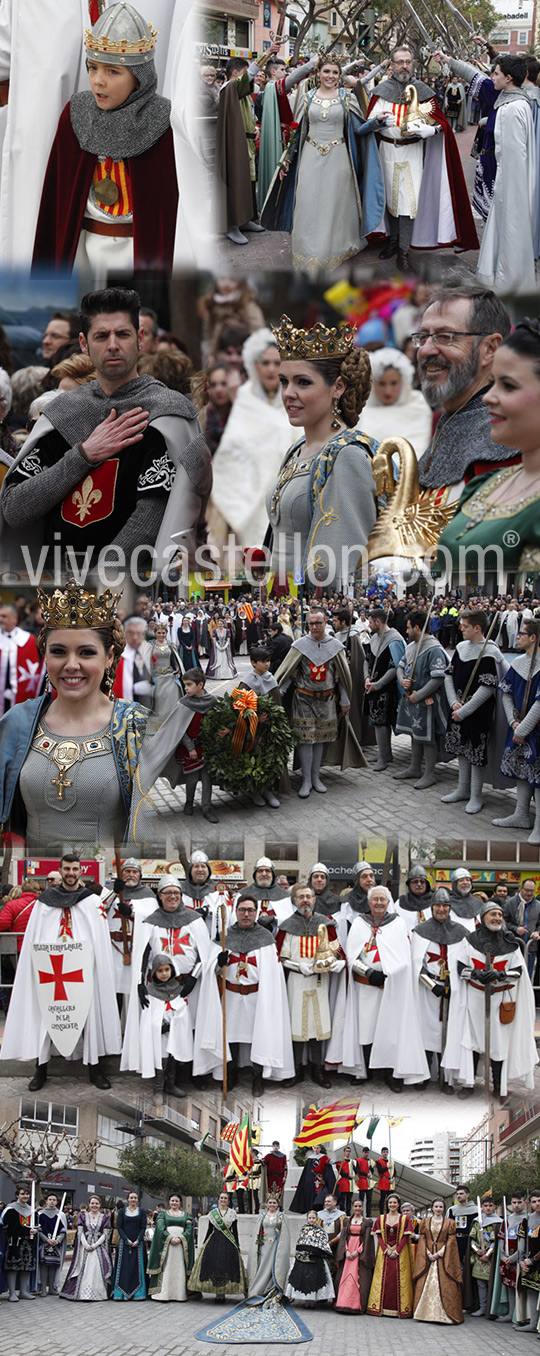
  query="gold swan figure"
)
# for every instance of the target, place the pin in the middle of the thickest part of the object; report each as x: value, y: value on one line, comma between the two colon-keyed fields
x: 413, y: 520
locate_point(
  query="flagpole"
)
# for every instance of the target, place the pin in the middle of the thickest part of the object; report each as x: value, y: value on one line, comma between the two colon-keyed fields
x: 223, y: 912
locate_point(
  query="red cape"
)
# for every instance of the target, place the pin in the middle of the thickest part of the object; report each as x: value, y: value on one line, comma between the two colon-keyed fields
x: 65, y: 192
x: 467, y: 237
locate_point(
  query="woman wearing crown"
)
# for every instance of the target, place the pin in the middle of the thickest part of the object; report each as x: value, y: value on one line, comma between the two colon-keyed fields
x: 110, y: 194
x: 324, y: 499
x: 328, y: 189
x: 67, y: 765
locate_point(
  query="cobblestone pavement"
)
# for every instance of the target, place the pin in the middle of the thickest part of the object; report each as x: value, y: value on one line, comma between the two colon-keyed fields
x: 273, y: 249
x: 359, y: 803
x: 49, y: 1326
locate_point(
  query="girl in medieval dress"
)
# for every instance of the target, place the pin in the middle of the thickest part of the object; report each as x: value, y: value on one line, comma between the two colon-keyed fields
x: 331, y: 159
x: 268, y: 1262
x: 90, y: 1270
x: 72, y: 760
x: 437, y: 1273
x: 355, y: 1255
x: 391, y: 1293
x: 219, y: 1267
x: 221, y: 665
x: 309, y: 1279
x: 130, y: 1265
x: 324, y: 498
x: 171, y: 1254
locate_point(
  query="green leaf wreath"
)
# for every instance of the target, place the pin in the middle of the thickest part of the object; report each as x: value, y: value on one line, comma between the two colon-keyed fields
x: 260, y: 764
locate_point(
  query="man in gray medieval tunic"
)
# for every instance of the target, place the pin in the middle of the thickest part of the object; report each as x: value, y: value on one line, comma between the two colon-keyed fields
x: 422, y: 710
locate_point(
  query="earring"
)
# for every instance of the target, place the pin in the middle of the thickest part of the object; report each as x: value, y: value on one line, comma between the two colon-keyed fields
x: 47, y: 684
x: 336, y: 421
x: 109, y: 680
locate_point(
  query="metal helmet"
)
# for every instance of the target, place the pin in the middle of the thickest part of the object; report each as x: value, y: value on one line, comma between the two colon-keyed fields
x: 441, y: 896
x: 417, y: 873
x: 133, y: 863
x: 460, y: 873
x: 165, y: 881
x: 264, y: 863
x: 199, y: 858
x: 319, y: 866
x: 121, y: 37
x: 362, y: 866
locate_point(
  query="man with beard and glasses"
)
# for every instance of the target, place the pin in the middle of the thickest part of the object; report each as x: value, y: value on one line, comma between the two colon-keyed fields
x: 460, y: 332
x: 432, y: 949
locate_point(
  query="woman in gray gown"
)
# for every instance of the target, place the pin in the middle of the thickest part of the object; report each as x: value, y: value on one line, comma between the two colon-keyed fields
x: 269, y: 1256
x: 334, y: 194
x: 323, y: 505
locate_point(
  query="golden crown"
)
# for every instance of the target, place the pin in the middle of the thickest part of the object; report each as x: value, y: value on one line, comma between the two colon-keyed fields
x: 74, y: 607
x: 319, y: 342
x: 112, y: 48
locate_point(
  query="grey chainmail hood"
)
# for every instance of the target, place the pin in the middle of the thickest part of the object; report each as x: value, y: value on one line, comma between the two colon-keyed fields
x: 467, y: 440
x: 125, y: 131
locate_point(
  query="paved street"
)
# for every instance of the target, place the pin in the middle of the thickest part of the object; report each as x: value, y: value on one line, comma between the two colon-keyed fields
x: 273, y: 249
x: 49, y: 1325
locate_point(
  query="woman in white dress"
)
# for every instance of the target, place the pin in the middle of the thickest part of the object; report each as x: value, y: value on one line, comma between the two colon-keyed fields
x: 221, y: 664
x: 252, y: 447
x: 393, y: 408
x: 172, y: 1253
x: 91, y: 1264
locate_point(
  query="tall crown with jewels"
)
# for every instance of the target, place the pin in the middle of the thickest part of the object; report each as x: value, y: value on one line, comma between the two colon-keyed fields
x: 121, y: 36
x: 315, y: 344
x: 74, y: 608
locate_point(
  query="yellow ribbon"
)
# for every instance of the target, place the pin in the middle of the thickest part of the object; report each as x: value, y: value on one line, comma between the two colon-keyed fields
x: 245, y: 702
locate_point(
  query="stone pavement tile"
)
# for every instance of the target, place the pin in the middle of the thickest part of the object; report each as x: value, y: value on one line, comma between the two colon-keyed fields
x: 171, y: 1331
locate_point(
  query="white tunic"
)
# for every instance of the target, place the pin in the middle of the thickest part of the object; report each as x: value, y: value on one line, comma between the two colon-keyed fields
x: 308, y: 994
x: 25, y: 1035
x: 506, y: 259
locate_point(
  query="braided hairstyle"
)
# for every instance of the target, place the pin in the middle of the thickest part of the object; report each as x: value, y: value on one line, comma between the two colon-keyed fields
x: 355, y: 369
x: 525, y: 340
x: 112, y: 635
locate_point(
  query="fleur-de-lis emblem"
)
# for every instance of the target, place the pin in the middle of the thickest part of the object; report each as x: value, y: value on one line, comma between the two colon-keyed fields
x: 85, y: 498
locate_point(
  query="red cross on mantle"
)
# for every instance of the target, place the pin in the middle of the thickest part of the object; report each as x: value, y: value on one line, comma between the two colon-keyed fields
x: 59, y: 978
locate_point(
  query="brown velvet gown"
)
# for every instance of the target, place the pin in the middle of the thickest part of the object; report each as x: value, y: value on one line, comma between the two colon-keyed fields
x: 437, y: 1285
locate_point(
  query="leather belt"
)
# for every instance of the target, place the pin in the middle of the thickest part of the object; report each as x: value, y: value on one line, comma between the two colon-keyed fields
x: 307, y: 692
x: 119, y: 936
x: 500, y: 987
x: 241, y: 988
x: 399, y: 141
x: 113, y: 228
x: 4, y: 93
x: 323, y: 147
x: 361, y: 979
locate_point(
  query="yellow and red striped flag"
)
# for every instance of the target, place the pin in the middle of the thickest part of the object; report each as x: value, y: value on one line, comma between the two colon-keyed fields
x: 322, y: 1123
x: 229, y: 1131
x: 241, y: 1156
x: 248, y: 611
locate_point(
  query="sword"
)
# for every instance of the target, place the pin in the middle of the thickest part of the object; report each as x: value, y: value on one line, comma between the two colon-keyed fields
x: 461, y: 17
x: 445, y: 1004
x: 432, y: 46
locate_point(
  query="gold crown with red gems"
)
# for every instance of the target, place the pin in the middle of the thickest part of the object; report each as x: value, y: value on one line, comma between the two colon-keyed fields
x: 76, y: 608
x: 314, y: 344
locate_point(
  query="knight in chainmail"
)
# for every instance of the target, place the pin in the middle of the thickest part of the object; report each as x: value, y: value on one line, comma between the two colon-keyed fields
x: 308, y: 990
x: 432, y: 949
x: 117, y: 462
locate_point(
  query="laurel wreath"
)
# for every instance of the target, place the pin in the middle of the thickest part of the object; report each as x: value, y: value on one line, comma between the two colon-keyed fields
x: 263, y: 764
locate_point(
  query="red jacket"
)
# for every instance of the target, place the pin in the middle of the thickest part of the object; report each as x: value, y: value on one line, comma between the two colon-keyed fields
x: 15, y: 915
